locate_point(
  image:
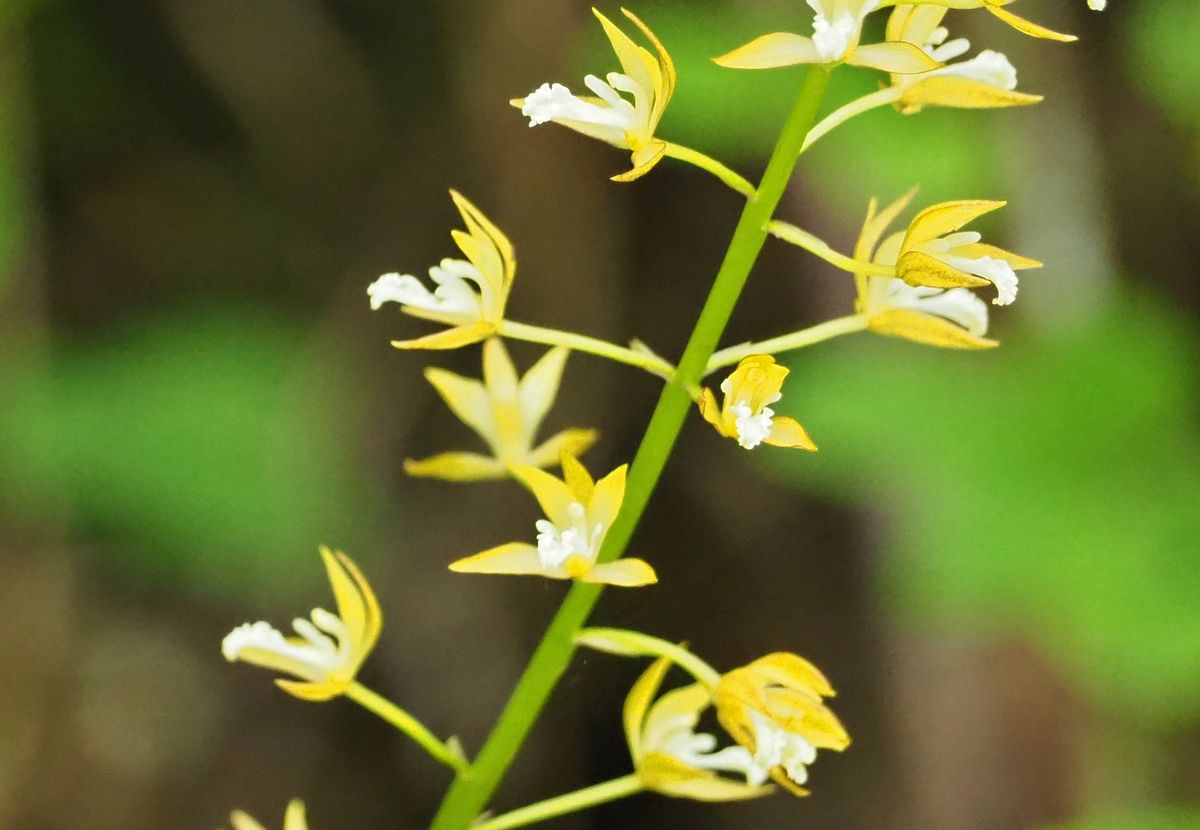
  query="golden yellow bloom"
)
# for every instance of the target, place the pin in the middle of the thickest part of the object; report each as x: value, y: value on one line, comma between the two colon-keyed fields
x: 670, y: 757
x: 579, y: 512
x: 837, y: 29
x: 746, y: 414
x: 470, y: 295
x: 986, y: 81
x: 294, y: 819
x: 934, y: 253
x: 506, y: 412
x: 953, y: 319
x: 609, y: 116
x: 773, y: 707
x: 330, y: 648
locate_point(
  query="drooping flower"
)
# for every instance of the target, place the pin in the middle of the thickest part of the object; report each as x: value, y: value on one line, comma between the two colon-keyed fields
x: 774, y: 708
x: 746, y: 415
x: 934, y: 253
x: 649, y: 79
x: 837, y: 30
x: 670, y: 756
x: 506, y: 412
x: 579, y: 512
x: 986, y: 81
x: 294, y: 819
x: 329, y: 649
x: 470, y: 295
x: 953, y: 318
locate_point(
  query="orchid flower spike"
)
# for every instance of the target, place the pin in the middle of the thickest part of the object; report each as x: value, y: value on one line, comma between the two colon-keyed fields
x: 986, y: 81
x: 837, y: 30
x: 670, y: 756
x: 746, y: 415
x: 935, y: 254
x: 774, y: 708
x: 470, y: 295
x: 954, y: 318
x: 330, y: 648
x: 579, y: 512
x: 294, y: 819
x: 649, y: 79
x: 506, y: 412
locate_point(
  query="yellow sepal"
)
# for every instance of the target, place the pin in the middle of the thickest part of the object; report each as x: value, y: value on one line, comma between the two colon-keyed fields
x: 457, y: 466
x: 945, y: 218
x: 1027, y: 27
x: 927, y: 330
x: 961, y: 93
x: 771, y: 51
x: 918, y: 268
x: 454, y: 338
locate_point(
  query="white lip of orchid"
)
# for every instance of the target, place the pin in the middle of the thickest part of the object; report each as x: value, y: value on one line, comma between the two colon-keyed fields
x: 989, y: 67
x: 325, y: 650
x: 958, y: 305
x: 836, y: 28
x: 556, y: 545
x: 551, y: 102
x: 752, y: 427
x: 775, y: 747
x: 697, y: 749
x: 996, y: 271
x: 453, y: 294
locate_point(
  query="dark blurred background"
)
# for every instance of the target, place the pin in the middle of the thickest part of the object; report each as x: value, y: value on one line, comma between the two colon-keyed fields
x: 995, y: 556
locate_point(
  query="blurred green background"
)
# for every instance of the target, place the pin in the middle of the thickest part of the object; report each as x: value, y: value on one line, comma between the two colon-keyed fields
x: 995, y: 556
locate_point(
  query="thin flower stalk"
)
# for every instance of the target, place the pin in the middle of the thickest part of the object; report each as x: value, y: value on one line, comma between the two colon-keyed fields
x: 565, y: 804
x: 447, y: 752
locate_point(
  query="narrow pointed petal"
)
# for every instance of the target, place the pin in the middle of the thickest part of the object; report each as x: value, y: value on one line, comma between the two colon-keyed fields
x: 877, y: 224
x: 499, y: 372
x: 792, y: 671
x: 927, y: 330
x: 457, y: 466
x: 780, y: 778
x: 671, y: 777
x: 1028, y: 27
x: 787, y: 432
x: 357, y: 604
x: 982, y: 249
x: 483, y: 228
x: 454, y: 338
x: 917, y: 268
x: 771, y: 51
x: 516, y: 558
x: 467, y: 399
x: 644, y: 161
x: 666, y: 67
x: 570, y: 442
x: 551, y: 493
x: 312, y: 692
x: 711, y: 410
x: 624, y: 573
x: 945, y: 218
x: 579, y: 480
x: 295, y: 818
x: 962, y: 93
x: 637, y: 703
x: 636, y: 62
x: 243, y: 821
x: 898, y: 58
x: 607, y: 497
x: 539, y: 387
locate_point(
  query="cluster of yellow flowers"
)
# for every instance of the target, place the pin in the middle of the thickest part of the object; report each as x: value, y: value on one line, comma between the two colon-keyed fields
x: 917, y: 283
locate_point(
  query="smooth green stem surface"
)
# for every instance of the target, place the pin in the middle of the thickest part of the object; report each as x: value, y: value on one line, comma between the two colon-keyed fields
x: 410, y: 726
x: 819, y: 247
x: 881, y: 98
x: 788, y: 342
x: 470, y: 793
x: 637, y: 644
x: 566, y: 803
x: 580, y: 342
x: 711, y: 165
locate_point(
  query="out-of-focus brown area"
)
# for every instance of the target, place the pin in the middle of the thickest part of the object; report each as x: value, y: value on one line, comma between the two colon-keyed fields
x: 195, y: 395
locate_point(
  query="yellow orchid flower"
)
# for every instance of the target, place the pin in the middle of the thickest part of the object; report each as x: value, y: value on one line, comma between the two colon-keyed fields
x: 470, y: 295
x: 609, y: 116
x: 774, y: 708
x: 935, y: 254
x: 837, y: 29
x: 506, y: 412
x: 955, y: 318
x: 997, y: 8
x: 746, y: 414
x: 579, y: 512
x: 670, y: 757
x: 330, y: 648
x: 294, y: 819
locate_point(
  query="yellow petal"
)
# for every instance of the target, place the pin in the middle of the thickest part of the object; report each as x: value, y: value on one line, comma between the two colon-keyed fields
x: 539, y: 387
x: 787, y: 432
x: 791, y: 671
x: 313, y: 692
x: 450, y: 338
x: 711, y: 411
x: 945, y: 218
x: 756, y: 380
x: 579, y: 480
x: 963, y: 93
x: 624, y: 573
x: 805, y: 714
x: 243, y: 821
x: 457, y: 466
x: 357, y: 604
x: 669, y: 776
x: 644, y: 160
x: 609, y: 493
x: 665, y: 64
x: 491, y: 252
x: 467, y: 398
x: 572, y: 442
x: 982, y: 249
x: 876, y: 225
x: 780, y: 778
x: 636, y: 62
x: 295, y: 818
x: 917, y: 268
x: 551, y: 493
x: 637, y: 703
x: 771, y: 51
x: 927, y: 330
x: 1028, y: 27
x: 499, y: 372
x: 515, y: 558
x: 898, y: 58
x: 915, y: 24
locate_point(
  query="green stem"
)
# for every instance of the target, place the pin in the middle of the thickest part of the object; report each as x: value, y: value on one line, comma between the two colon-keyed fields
x: 881, y: 98
x: 601, y: 348
x: 447, y: 753
x: 637, y: 644
x: 729, y: 177
x: 470, y: 793
x: 819, y: 247
x: 788, y: 342
x: 567, y: 803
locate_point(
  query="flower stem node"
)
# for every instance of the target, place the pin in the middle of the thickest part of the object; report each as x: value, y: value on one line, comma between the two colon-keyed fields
x: 579, y: 512
x: 293, y: 819
x: 329, y: 649
x: 746, y: 415
x: 470, y: 295
x: 506, y: 412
